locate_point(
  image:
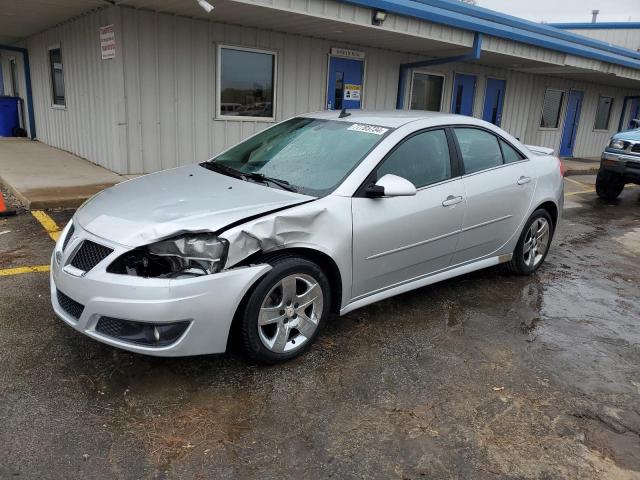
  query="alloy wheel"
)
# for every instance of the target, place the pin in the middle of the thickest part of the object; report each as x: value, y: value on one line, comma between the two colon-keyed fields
x: 536, y: 242
x: 290, y: 313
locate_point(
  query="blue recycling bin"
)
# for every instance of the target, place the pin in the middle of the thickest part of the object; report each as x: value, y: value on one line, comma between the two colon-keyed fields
x: 9, y: 116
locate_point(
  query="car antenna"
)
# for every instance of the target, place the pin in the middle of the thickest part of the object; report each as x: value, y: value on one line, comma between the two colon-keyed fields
x: 343, y: 113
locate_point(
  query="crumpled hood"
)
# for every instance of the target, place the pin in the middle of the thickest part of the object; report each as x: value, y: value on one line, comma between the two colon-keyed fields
x: 184, y: 199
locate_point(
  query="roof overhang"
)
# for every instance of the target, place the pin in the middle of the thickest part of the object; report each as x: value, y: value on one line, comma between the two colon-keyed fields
x: 423, y: 28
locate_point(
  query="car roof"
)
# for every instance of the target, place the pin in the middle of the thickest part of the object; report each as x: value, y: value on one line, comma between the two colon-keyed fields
x: 394, y: 118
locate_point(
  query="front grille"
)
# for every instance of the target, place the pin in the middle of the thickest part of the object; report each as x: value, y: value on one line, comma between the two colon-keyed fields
x: 68, y: 237
x: 89, y: 255
x: 69, y: 305
x: 636, y: 148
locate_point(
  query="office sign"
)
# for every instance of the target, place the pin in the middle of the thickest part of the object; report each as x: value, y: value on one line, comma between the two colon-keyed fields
x: 348, y: 53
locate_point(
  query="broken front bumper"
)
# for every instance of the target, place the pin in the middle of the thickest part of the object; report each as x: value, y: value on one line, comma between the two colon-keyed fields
x: 206, y: 304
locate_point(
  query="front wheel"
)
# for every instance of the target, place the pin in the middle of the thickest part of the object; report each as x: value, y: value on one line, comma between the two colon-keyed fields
x: 285, y: 310
x: 533, y: 244
x: 609, y: 185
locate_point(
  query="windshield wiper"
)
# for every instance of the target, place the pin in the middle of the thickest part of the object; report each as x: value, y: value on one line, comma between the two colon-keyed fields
x: 261, y: 177
x: 220, y: 168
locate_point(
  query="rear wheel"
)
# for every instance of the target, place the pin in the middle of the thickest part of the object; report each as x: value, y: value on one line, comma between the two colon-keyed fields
x: 533, y: 244
x: 609, y: 185
x: 285, y: 310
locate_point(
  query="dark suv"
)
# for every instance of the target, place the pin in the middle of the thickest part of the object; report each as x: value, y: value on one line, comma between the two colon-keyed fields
x: 620, y: 164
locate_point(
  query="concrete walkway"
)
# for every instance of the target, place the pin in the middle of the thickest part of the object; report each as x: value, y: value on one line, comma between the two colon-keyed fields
x: 43, y: 177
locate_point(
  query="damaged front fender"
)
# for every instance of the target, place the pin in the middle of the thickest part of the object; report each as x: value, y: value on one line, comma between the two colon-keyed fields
x: 323, y: 225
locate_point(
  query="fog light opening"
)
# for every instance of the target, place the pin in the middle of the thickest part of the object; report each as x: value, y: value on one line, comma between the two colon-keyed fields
x: 142, y: 333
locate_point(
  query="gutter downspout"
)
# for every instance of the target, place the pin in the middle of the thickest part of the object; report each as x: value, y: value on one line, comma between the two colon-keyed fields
x: 27, y: 80
x: 405, y: 67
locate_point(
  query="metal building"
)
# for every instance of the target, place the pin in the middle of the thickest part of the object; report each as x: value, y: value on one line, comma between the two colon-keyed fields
x: 141, y: 85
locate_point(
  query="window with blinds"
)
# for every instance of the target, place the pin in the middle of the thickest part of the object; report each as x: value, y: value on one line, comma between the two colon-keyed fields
x: 57, y: 78
x: 551, y: 108
x: 603, y: 113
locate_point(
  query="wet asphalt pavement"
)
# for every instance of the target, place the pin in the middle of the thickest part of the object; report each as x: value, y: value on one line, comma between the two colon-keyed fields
x: 484, y: 376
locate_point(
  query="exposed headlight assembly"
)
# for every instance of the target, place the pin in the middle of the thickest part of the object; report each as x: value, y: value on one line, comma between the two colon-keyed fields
x: 184, y: 256
x: 203, y: 252
x: 617, y: 144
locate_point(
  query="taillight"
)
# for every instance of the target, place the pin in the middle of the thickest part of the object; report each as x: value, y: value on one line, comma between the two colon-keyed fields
x: 561, y: 167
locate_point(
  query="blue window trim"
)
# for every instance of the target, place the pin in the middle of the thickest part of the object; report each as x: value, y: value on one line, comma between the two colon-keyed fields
x: 477, y: 19
x: 598, y: 26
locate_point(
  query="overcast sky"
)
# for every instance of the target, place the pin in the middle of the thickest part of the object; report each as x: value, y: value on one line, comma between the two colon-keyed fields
x: 567, y: 10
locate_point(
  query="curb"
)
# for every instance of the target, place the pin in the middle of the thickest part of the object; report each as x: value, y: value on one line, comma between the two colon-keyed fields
x: 586, y: 171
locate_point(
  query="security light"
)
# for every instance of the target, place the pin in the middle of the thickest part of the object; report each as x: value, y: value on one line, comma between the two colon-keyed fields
x: 378, y: 17
x: 206, y: 6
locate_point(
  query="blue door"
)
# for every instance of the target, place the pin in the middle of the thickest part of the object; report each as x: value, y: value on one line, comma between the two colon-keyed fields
x: 571, y: 120
x: 494, y: 100
x: 635, y: 112
x: 344, y: 86
x: 464, y: 90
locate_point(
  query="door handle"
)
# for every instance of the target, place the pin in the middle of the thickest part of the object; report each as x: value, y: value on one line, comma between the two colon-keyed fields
x: 522, y: 180
x: 451, y: 200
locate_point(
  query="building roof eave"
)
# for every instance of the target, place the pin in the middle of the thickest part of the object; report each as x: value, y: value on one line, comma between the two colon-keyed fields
x: 468, y: 17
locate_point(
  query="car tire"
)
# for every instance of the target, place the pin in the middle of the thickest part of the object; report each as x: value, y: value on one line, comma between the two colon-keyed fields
x: 279, y: 320
x: 533, y: 245
x: 609, y: 185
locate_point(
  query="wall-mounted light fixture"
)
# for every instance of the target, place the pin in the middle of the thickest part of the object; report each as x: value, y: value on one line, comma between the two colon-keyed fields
x: 206, y: 6
x: 378, y: 17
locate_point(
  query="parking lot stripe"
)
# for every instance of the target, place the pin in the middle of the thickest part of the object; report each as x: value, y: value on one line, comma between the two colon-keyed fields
x: 578, y: 193
x: 21, y: 270
x: 47, y: 223
x: 576, y: 182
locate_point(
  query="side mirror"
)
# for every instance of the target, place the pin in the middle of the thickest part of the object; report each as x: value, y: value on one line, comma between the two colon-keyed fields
x: 391, y: 186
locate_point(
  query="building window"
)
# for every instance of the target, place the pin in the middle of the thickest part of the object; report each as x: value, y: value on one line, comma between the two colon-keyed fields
x: 246, y: 83
x: 551, y: 108
x: 603, y: 113
x: 57, y: 78
x: 426, y: 92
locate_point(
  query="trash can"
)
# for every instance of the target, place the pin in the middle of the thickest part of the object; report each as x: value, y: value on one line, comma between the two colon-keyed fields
x: 9, y: 116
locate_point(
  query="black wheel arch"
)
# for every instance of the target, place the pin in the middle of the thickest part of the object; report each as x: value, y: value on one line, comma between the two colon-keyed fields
x: 552, y: 208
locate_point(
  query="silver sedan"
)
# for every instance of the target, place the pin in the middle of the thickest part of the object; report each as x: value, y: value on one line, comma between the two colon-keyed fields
x: 323, y: 213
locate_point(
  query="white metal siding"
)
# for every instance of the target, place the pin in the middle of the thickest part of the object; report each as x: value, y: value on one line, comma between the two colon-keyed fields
x: 89, y: 124
x: 153, y: 106
x: 170, y: 72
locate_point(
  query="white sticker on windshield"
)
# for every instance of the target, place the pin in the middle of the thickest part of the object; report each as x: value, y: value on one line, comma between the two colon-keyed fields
x: 358, y: 127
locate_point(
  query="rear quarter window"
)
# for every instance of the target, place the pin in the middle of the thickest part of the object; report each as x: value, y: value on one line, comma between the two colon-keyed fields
x: 480, y: 150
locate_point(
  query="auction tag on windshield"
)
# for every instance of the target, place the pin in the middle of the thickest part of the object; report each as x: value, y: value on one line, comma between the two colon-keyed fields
x: 358, y: 127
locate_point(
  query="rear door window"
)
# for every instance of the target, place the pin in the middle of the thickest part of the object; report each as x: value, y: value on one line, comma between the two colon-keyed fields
x: 480, y: 150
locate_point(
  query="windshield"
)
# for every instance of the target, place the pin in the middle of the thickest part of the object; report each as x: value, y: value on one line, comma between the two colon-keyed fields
x: 311, y: 155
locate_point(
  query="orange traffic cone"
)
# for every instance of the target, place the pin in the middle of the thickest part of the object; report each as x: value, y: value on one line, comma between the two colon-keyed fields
x: 3, y: 208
